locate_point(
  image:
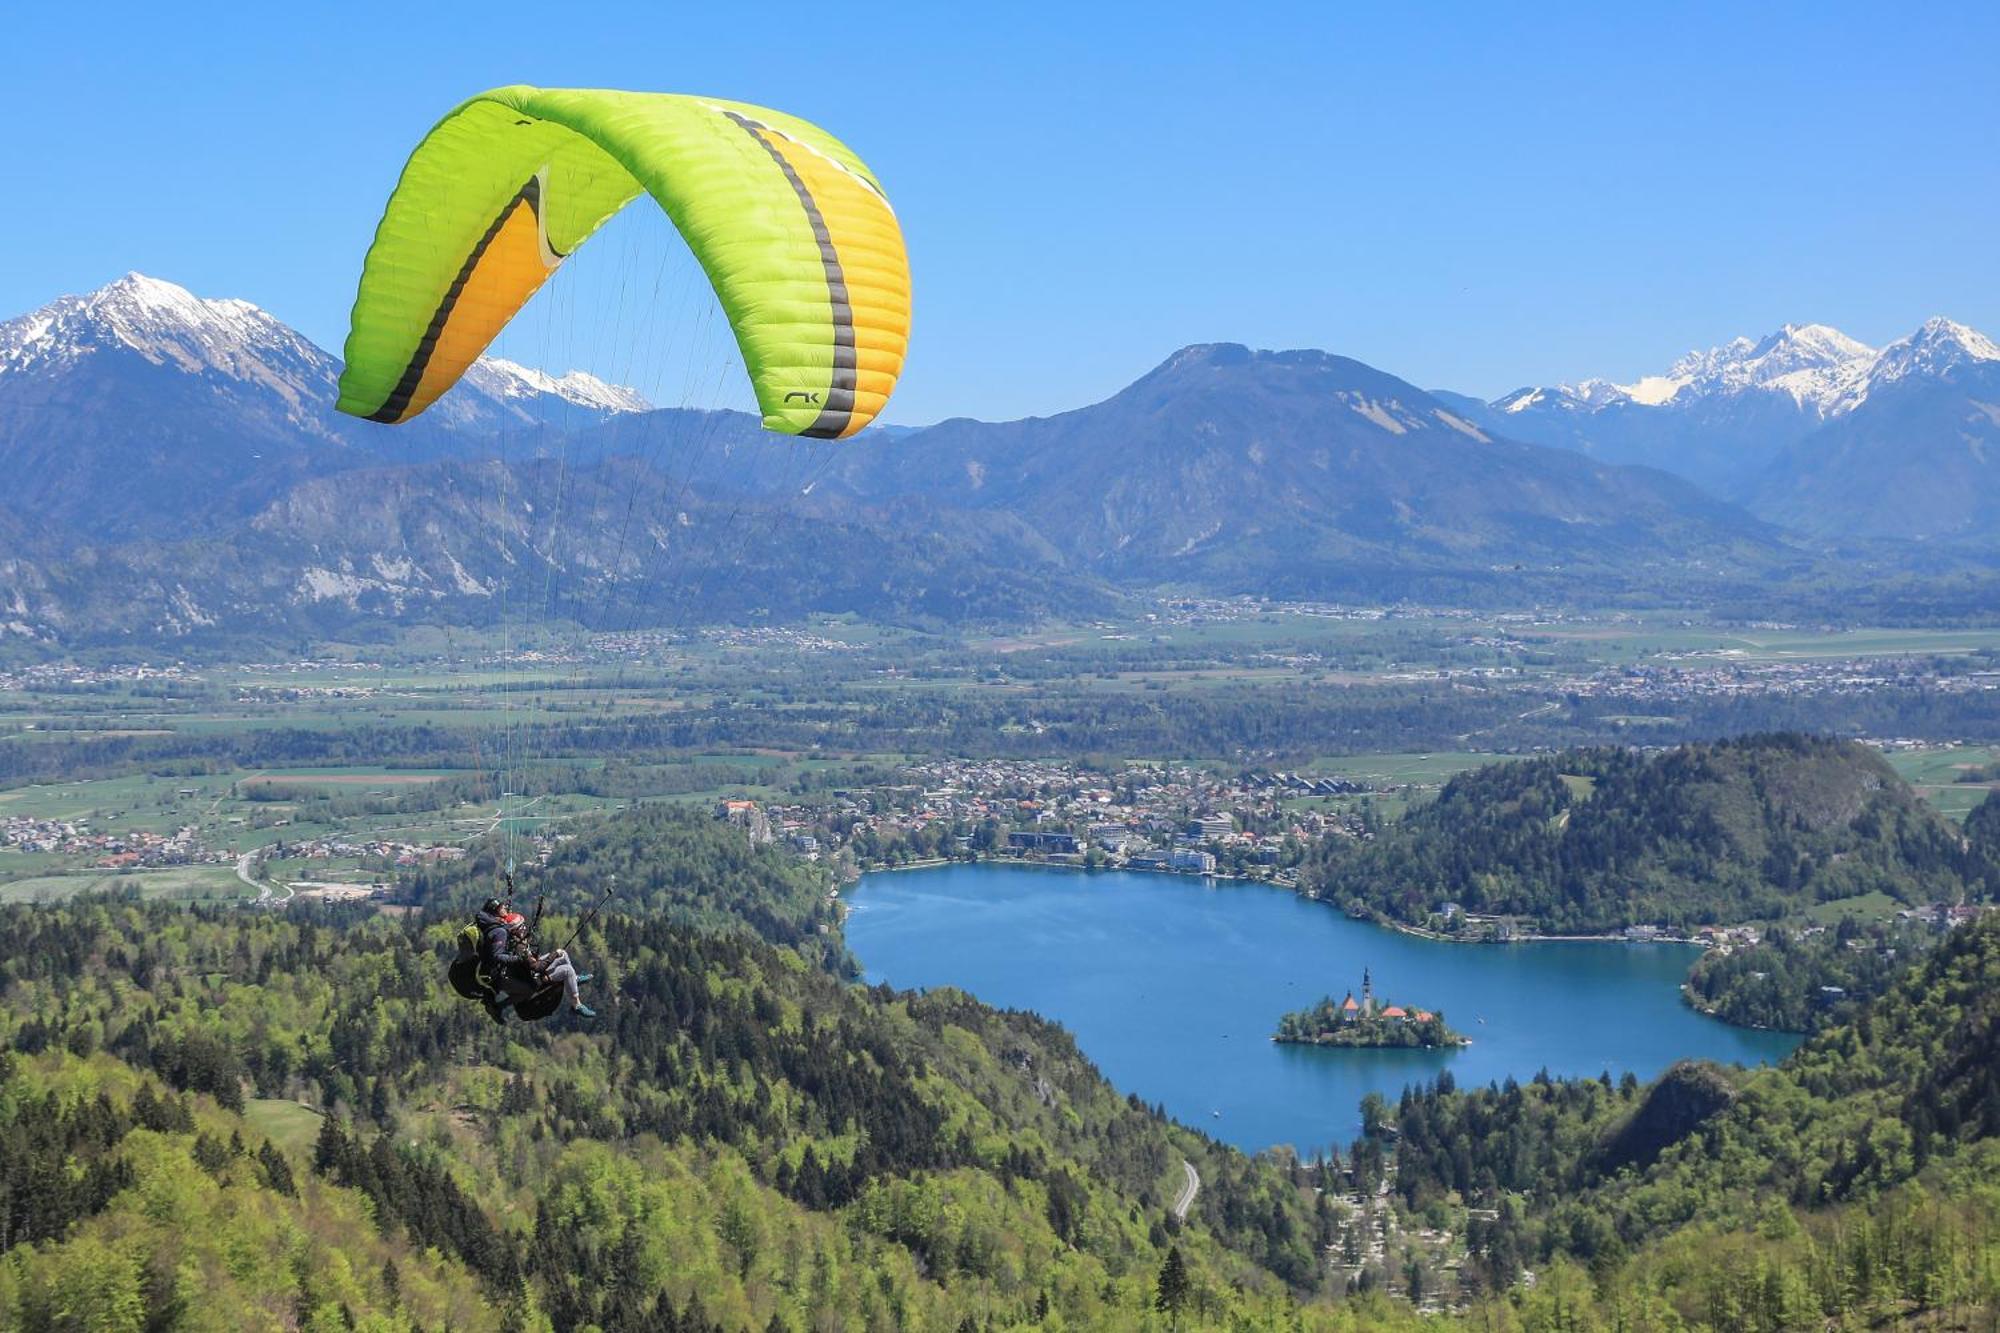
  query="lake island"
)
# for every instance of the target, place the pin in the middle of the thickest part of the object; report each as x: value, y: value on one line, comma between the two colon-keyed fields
x: 1366, y: 1022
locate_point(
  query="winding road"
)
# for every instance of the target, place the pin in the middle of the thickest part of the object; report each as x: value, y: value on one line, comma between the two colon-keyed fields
x: 244, y: 863
x: 1185, y: 1199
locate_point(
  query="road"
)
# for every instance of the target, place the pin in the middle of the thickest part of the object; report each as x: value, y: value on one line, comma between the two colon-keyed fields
x: 243, y: 865
x: 1185, y: 1200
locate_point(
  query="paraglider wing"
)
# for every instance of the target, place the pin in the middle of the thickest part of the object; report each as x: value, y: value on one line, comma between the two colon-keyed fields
x: 790, y: 226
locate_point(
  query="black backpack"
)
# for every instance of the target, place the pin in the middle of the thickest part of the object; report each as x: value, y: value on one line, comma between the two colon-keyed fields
x: 466, y: 975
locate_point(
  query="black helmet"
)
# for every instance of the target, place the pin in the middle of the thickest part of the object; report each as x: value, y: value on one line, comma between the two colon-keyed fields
x: 493, y: 907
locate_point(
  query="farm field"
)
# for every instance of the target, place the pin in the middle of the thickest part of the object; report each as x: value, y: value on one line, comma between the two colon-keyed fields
x: 1402, y: 769
x: 1936, y: 773
x: 203, y: 883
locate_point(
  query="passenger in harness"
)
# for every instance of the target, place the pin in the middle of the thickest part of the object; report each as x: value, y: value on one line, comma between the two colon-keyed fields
x: 513, y: 972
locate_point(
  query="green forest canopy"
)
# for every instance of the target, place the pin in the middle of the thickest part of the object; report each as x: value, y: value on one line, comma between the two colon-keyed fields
x: 1746, y: 829
x: 749, y: 1141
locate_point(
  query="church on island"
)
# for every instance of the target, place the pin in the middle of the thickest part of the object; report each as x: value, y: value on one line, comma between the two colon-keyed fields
x: 1353, y: 1011
x: 1366, y: 1022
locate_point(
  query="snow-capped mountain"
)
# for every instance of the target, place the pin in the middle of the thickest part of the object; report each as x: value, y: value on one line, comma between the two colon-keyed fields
x: 510, y: 381
x: 1725, y: 416
x: 1911, y: 453
x: 1299, y: 473
x: 1936, y: 351
x: 120, y: 406
x: 175, y: 465
x: 165, y: 325
x: 1813, y: 365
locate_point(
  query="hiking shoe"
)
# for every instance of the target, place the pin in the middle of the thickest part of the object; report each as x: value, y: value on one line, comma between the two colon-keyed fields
x: 582, y: 977
x: 584, y: 1011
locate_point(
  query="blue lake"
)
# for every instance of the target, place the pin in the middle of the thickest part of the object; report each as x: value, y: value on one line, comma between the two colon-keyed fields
x: 1173, y: 987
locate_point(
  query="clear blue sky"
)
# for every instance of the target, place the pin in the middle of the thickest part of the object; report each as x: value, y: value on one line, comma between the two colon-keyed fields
x: 1473, y: 196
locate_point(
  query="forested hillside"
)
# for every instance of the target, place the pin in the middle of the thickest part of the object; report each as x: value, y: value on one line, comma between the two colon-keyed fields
x: 1858, y: 1182
x: 242, y: 1119
x: 742, y: 1137
x: 1594, y: 840
x: 1799, y: 980
x: 126, y: 1206
x: 660, y: 861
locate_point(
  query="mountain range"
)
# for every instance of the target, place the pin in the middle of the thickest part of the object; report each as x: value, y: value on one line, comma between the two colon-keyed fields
x: 1306, y: 474
x: 178, y: 468
x: 1807, y: 427
x: 124, y: 410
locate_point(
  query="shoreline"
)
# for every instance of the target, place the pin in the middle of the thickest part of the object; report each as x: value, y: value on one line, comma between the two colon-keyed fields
x: 1401, y: 927
x: 1025, y: 864
x: 1458, y: 1045
x: 1404, y: 927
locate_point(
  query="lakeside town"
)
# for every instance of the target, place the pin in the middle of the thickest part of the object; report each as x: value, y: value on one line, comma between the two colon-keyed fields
x: 1176, y: 819
x: 1139, y: 817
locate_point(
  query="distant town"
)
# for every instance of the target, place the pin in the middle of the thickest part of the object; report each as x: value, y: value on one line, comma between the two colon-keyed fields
x: 1140, y: 817
x: 109, y: 847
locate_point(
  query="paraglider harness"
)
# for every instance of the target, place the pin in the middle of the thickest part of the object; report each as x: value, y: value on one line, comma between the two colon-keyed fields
x: 476, y: 977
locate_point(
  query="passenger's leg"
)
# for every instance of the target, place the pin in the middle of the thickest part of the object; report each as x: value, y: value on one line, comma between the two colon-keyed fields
x: 561, y: 970
x: 562, y: 956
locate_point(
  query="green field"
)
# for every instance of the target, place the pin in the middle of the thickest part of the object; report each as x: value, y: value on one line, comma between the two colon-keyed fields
x: 291, y: 1126
x: 1404, y: 769
x: 1867, y: 907
x: 1934, y: 772
x: 1579, y: 787
x: 1621, y: 643
x: 355, y: 779
x: 332, y: 869
x: 1793, y: 646
x: 188, y: 882
x: 144, y: 800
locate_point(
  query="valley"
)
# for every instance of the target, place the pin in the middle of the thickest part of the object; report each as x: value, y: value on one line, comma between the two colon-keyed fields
x: 415, y: 743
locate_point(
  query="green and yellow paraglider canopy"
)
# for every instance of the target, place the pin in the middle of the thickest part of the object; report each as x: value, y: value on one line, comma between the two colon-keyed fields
x: 790, y: 226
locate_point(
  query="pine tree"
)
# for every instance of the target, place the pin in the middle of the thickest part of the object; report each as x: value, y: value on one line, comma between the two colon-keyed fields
x: 330, y: 1152
x: 277, y: 1171
x: 1172, y: 1295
